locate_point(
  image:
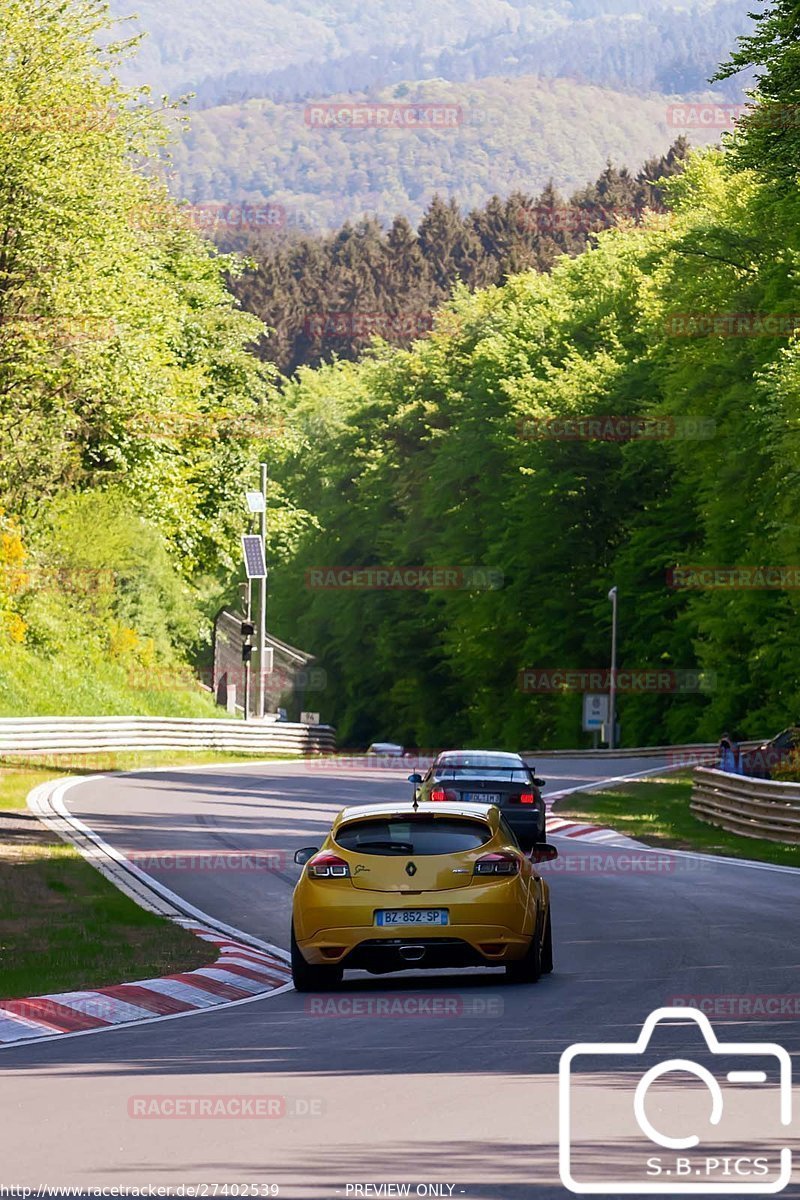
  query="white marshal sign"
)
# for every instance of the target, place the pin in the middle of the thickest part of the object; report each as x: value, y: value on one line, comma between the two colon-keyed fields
x: 595, y: 710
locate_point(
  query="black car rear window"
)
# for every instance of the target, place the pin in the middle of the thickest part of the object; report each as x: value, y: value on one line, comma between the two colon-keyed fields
x: 465, y: 775
x: 420, y: 835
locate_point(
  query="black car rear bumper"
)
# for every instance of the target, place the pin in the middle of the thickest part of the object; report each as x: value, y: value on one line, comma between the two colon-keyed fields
x: 528, y: 826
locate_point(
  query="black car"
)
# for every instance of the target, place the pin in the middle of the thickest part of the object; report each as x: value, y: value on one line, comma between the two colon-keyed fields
x: 761, y: 760
x: 489, y: 777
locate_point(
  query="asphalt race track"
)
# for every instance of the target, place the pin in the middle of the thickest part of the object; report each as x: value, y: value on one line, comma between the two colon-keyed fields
x: 457, y: 1095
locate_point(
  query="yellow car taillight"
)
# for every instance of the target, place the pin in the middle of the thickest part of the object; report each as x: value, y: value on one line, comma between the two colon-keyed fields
x: 328, y: 866
x: 497, y: 864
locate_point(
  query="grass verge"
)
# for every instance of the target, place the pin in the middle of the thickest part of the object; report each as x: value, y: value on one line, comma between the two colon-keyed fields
x: 64, y: 927
x: 656, y: 811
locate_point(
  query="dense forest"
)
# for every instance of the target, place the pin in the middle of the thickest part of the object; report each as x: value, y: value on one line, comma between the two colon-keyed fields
x: 325, y: 296
x: 134, y: 412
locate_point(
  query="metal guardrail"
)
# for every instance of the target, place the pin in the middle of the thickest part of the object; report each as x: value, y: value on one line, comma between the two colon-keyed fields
x: 758, y: 808
x: 690, y: 752
x: 53, y: 735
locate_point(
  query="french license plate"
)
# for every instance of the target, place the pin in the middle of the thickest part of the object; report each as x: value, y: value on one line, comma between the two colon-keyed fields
x: 481, y: 797
x: 411, y: 916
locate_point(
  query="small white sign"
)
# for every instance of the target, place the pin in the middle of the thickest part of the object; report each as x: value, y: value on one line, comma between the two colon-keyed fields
x: 309, y: 718
x: 595, y: 710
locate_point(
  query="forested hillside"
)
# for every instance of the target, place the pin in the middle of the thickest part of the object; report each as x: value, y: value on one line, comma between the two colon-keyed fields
x: 260, y: 48
x: 448, y: 455
x: 508, y: 135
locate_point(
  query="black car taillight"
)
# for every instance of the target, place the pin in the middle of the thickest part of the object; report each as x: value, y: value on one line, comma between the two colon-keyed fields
x: 497, y: 864
x: 527, y: 798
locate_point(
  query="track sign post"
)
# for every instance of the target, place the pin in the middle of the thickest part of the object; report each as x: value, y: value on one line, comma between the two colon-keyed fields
x: 595, y: 711
x: 254, y: 562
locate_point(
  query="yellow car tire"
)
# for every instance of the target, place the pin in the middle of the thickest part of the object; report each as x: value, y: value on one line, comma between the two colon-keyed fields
x: 309, y: 978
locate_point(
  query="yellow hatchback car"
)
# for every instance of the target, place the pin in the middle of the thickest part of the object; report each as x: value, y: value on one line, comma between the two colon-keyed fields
x: 397, y: 887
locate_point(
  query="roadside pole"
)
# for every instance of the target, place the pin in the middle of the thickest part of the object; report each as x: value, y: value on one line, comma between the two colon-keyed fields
x: 612, y: 683
x: 262, y: 628
x: 247, y: 655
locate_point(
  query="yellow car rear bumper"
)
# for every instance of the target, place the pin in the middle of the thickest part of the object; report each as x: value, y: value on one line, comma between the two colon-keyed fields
x: 494, y: 921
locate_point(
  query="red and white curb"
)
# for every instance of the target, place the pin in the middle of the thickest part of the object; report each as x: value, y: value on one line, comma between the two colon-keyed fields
x: 240, y: 973
x: 588, y: 833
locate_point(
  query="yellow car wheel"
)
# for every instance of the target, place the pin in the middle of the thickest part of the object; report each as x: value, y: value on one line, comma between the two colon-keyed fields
x: 308, y: 978
x: 547, y: 947
x: 538, y: 959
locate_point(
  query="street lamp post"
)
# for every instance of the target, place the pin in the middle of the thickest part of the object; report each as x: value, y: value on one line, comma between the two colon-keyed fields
x: 246, y: 653
x: 612, y: 683
x: 262, y: 627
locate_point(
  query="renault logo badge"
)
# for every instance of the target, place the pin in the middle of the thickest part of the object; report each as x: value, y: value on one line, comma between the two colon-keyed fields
x: 410, y: 869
